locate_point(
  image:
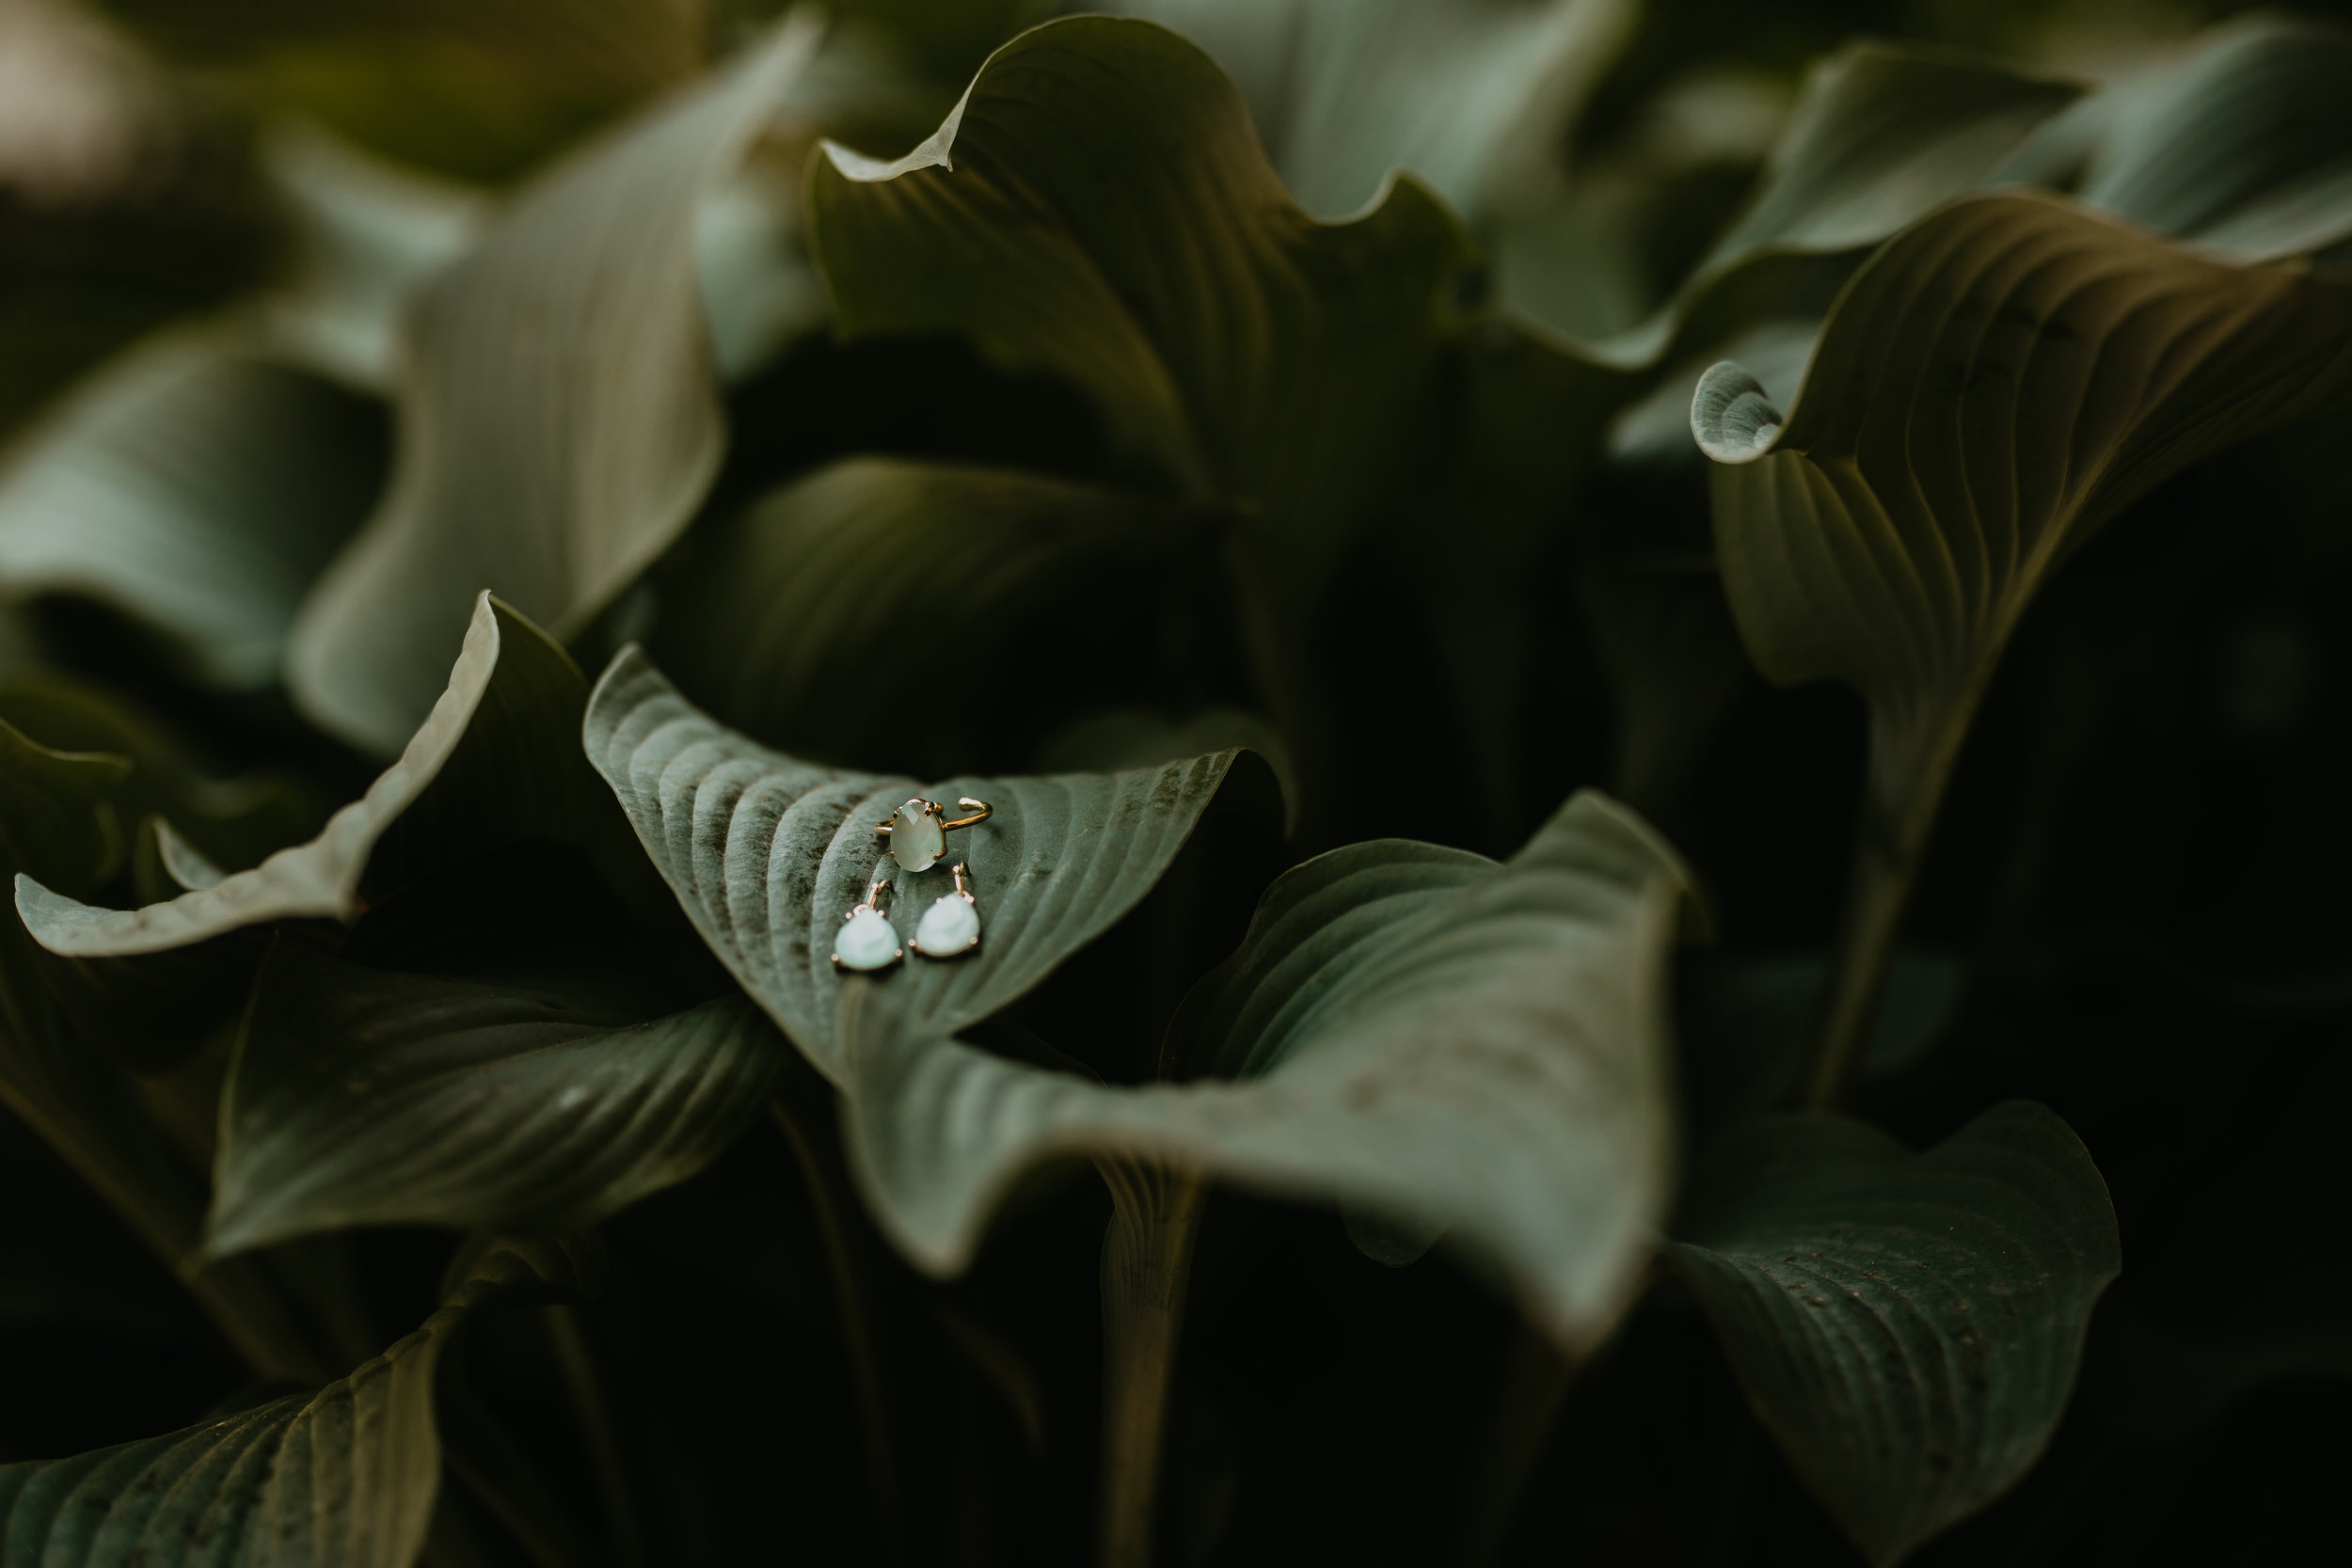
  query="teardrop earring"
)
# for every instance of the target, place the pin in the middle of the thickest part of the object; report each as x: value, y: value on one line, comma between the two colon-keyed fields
x: 866, y: 939
x: 951, y: 926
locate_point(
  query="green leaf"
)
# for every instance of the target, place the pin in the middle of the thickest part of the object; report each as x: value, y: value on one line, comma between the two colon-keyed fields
x: 2243, y: 148
x: 367, y: 233
x: 541, y: 1099
x: 236, y: 819
x: 560, y: 419
x: 767, y: 853
x: 497, y: 761
x: 1993, y: 385
x: 1464, y: 94
x: 58, y: 821
x: 196, y: 486
x: 1907, y: 1326
x: 346, y: 1475
x: 1417, y: 1030
x: 1881, y: 133
x: 808, y: 618
x: 1098, y: 208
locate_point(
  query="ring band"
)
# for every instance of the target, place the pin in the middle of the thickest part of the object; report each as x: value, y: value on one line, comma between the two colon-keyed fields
x: 917, y: 834
x: 982, y: 811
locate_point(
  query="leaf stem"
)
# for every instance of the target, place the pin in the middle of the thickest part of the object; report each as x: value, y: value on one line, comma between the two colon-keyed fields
x: 1533, y: 1385
x: 1147, y: 1263
x: 864, y: 1363
x: 1909, y: 769
x: 568, y: 1334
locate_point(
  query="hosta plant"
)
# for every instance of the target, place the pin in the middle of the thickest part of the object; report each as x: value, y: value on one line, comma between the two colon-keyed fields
x: 1558, y: 735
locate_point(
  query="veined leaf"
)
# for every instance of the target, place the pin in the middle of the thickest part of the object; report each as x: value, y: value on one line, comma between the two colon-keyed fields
x: 1464, y: 94
x: 539, y: 1099
x: 346, y: 1475
x: 2244, y: 148
x: 767, y: 853
x: 807, y: 619
x: 1881, y: 134
x: 497, y: 761
x: 197, y: 485
x: 1098, y: 208
x: 1907, y: 1326
x: 1992, y: 386
x: 1415, y: 1030
x: 561, y: 416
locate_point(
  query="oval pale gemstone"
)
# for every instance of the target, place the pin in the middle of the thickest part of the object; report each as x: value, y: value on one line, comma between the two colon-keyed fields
x: 866, y: 940
x: 949, y: 927
x: 915, y: 838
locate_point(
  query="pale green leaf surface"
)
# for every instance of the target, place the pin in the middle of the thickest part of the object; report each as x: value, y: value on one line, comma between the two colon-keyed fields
x: 345, y: 1475
x: 1098, y: 208
x: 196, y: 486
x: 540, y: 1102
x: 1881, y: 134
x: 1994, y: 383
x: 1907, y: 1326
x: 758, y: 289
x: 767, y: 852
x: 367, y: 233
x: 1415, y: 1031
x: 1657, y: 428
x: 2245, y: 148
x: 1466, y: 94
x: 496, y: 762
x: 559, y: 413
x: 818, y: 610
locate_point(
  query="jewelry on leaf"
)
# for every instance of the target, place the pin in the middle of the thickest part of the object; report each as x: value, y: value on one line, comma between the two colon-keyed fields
x: 951, y: 926
x: 866, y: 939
x: 918, y: 832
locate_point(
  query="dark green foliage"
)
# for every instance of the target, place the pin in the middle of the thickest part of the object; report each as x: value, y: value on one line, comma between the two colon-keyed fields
x: 1287, y: 457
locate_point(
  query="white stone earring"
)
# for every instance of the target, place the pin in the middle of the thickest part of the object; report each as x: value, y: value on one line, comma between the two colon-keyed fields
x: 951, y: 926
x: 866, y: 939
x: 918, y: 830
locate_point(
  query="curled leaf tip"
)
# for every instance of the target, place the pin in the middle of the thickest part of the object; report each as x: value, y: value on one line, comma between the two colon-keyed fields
x: 936, y: 152
x: 1731, y: 416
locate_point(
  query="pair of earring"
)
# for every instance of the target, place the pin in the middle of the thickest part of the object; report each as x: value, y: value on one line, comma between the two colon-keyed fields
x: 916, y: 834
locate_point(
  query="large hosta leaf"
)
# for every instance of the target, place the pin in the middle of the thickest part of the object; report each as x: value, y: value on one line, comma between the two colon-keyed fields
x: 531, y: 1098
x: 809, y: 616
x: 1908, y: 1327
x: 1416, y: 1030
x: 1344, y: 92
x: 1994, y: 384
x: 2243, y: 148
x: 1881, y: 133
x: 1098, y: 208
x: 497, y: 761
x: 196, y: 486
x: 560, y: 418
x: 346, y: 1475
x: 767, y: 852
